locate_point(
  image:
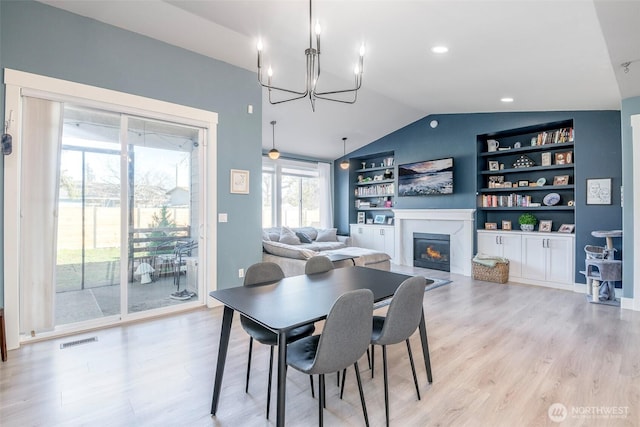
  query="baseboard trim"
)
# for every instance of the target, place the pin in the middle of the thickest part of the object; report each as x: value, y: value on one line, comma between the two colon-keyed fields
x: 629, y: 304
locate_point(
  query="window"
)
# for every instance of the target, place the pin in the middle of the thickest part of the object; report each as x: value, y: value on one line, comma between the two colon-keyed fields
x: 292, y: 194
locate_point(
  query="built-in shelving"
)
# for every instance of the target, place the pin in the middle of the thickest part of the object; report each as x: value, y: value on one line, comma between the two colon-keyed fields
x: 373, y: 188
x: 548, y: 150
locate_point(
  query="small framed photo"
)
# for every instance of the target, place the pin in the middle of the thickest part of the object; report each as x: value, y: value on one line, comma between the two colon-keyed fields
x: 490, y: 225
x: 561, y: 180
x: 369, y: 220
x: 566, y: 228
x: 599, y: 191
x: 545, y: 225
x: 494, y: 165
x: 506, y: 225
x: 239, y: 181
x: 564, y: 158
x: 390, y: 221
x: 379, y: 219
x: 523, y: 183
x: 546, y: 159
x: 360, y: 217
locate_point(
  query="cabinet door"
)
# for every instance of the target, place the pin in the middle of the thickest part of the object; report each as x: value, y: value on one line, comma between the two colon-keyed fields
x: 385, y: 240
x: 362, y: 236
x: 488, y: 244
x: 534, y: 257
x: 503, y: 245
x: 559, y: 260
x: 511, y: 246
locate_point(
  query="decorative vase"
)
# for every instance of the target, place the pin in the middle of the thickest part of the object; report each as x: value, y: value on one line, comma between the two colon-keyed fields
x: 526, y: 227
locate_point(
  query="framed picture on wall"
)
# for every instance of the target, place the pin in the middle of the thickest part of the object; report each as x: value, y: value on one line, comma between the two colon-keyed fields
x: 599, y: 191
x: 239, y: 181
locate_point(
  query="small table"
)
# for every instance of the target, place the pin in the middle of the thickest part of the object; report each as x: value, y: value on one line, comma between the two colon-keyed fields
x: 301, y: 300
x: 342, y: 257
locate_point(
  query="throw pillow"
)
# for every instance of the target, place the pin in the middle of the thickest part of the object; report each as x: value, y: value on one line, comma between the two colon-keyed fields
x: 328, y: 235
x: 265, y: 236
x: 303, y: 237
x: 288, y: 236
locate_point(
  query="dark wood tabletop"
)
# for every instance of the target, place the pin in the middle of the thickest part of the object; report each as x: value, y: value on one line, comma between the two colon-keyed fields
x: 299, y: 300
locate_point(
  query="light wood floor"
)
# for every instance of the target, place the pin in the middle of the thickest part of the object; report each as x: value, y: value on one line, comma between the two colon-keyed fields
x: 501, y: 355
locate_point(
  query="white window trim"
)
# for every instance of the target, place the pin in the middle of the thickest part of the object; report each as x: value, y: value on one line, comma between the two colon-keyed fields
x: 276, y: 168
x: 17, y: 82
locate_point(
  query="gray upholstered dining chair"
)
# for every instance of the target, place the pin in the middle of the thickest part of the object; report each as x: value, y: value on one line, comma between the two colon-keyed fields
x: 261, y: 273
x: 318, y: 264
x: 344, y: 339
x: 401, y: 321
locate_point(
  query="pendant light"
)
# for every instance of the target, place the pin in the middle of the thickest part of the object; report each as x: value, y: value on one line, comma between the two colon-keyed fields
x: 345, y: 163
x: 273, y: 153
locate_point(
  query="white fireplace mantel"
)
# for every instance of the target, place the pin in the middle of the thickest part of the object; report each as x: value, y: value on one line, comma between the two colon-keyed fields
x: 457, y: 223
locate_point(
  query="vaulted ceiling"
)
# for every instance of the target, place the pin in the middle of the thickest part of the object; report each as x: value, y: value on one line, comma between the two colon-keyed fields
x: 547, y: 55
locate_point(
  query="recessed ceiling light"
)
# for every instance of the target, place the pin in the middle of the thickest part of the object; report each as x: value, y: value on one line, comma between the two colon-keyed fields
x: 439, y: 49
x: 506, y: 99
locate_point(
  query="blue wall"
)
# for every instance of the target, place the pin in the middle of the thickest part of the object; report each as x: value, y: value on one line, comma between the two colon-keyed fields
x: 630, y: 107
x: 597, y: 155
x: 43, y: 40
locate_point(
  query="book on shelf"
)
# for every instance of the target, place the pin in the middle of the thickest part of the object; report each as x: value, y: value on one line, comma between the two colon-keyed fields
x: 505, y: 201
x: 555, y: 137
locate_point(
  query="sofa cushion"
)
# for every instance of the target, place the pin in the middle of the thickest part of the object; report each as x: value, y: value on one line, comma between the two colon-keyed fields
x: 288, y: 236
x: 304, y: 238
x: 287, y: 251
x: 309, y: 231
x: 265, y: 235
x: 328, y: 235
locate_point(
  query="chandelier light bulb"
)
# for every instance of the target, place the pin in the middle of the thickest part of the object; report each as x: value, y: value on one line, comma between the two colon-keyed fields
x: 259, y: 45
x: 270, y: 71
x: 356, y: 70
x: 274, y: 154
x: 362, y: 50
x: 318, y: 28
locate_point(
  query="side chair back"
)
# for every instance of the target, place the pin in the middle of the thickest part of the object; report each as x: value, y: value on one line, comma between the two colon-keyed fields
x: 318, y: 264
x: 263, y: 272
x: 404, y: 313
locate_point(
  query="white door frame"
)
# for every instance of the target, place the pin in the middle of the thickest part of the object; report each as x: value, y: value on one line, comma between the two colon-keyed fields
x: 17, y: 83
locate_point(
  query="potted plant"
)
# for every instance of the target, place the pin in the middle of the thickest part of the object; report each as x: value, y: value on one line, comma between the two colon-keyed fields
x: 527, y: 221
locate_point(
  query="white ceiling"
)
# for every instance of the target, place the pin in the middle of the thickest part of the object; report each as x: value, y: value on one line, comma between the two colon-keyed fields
x: 547, y: 55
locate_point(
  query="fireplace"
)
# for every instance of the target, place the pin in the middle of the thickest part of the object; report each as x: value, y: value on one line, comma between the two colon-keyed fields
x: 431, y: 251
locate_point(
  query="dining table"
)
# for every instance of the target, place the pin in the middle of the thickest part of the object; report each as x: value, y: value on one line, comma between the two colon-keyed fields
x: 295, y: 301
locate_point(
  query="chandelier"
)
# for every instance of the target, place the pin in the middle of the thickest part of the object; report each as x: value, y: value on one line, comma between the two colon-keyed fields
x: 313, y: 74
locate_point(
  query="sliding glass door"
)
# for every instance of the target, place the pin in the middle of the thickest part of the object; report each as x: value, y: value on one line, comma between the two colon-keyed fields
x: 128, y: 199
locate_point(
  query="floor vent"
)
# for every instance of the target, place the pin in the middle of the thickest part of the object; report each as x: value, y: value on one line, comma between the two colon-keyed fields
x: 78, y: 342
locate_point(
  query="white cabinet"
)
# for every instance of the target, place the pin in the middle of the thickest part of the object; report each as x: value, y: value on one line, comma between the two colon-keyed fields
x: 376, y: 237
x: 545, y: 259
x: 548, y: 258
x: 507, y: 245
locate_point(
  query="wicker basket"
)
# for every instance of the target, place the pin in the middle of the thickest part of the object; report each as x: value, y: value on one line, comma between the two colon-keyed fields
x: 497, y: 274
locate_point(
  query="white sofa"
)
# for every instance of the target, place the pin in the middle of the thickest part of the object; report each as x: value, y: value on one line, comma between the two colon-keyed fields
x: 290, y: 249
